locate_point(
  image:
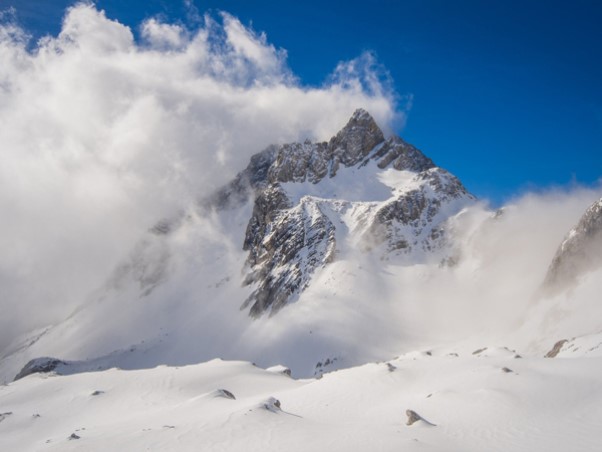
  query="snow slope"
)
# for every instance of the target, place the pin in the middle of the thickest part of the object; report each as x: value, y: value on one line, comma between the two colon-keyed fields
x: 473, y: 402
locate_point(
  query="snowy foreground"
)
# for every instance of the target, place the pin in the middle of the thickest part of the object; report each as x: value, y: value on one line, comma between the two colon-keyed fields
x: 485, y: 401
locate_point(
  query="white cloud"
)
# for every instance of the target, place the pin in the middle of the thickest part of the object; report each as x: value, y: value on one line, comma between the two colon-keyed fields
x: 102, y: 135
x: 164, y: 36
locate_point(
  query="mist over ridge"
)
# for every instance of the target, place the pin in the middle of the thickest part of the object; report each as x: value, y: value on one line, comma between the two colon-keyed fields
x: 105, y: 135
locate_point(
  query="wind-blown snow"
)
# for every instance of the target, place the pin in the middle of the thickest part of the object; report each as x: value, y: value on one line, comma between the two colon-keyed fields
x: 103, y: 135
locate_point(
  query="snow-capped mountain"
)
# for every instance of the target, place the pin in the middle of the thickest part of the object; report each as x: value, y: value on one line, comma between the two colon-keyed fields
x: 311, y: 201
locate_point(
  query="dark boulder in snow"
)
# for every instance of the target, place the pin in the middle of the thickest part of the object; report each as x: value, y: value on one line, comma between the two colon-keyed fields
x: 40, y: 365
x: 224, y: 393
x: 556, y: 349
x: 414, y: 417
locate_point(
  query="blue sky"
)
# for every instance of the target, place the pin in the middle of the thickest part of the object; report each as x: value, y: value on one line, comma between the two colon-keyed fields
x: 506, y: 94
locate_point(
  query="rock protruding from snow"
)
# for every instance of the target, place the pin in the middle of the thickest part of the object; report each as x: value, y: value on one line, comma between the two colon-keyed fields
x: 580, y: 252
x: 272, y: 404
x: 39, y: 365
x: 407, y: 222
x: 225, y: 394
x: 556, y: 349
x: 280, y: 369
x: 414, y: 417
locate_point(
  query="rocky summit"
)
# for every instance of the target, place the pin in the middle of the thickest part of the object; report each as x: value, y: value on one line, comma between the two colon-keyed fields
x: 312, y: 201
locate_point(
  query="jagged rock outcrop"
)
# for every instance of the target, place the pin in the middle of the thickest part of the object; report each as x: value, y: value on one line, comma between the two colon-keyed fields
x: 580, y: 251
x: 289, y: 235
x: 416, y: 209
x: 39, y: 365
x: 285, y: 245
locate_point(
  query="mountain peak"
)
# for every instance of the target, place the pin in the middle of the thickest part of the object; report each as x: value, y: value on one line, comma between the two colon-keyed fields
x: 361, y: 115
x: 359, y: 136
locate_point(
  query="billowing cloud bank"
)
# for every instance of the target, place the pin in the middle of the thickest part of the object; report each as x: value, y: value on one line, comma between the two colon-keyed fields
x: 102, y: 135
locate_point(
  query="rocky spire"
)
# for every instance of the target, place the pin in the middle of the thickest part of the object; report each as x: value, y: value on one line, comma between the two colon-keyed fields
x: 356, y: 139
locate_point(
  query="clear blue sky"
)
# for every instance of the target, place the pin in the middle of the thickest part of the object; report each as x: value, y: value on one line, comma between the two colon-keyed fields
x: 507, y: 94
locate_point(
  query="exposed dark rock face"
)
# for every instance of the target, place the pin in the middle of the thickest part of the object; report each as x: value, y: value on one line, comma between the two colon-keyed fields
x: 416, y: 208
x: 241, y: 188
x: 287, y: 240
x: 580, y: 252
x: 39, y: 365
x: 400, y: 155
x: 284, y: 247
x: 355, y: 140
x: 556, y: 349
